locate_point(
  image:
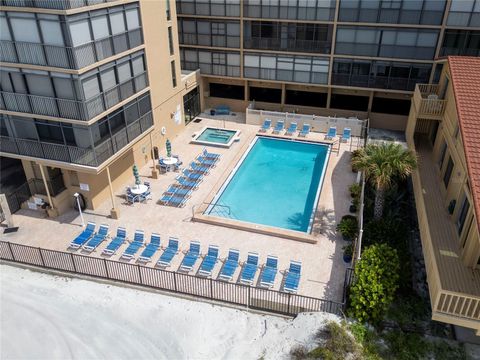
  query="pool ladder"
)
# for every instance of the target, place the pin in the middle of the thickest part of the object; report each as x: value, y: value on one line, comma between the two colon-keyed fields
x: 219, y: 209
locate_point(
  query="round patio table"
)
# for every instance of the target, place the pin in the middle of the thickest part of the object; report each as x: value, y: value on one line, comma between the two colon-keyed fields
x: 139, y: 189
x: 170, y: 161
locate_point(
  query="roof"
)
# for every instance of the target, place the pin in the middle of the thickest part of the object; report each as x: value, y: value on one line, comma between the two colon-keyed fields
x: 465, y: 77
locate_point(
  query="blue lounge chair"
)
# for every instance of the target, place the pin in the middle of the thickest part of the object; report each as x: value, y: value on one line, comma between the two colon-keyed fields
x: 179, y: 191
x: 117, y: 241
x: 187, y: 183
x: 210, y: 155
x: 209, y: 261
x: 267, y: 123
x: 150, y: 249
x: 293, y: 277
x: 305, y: 130
x: 137, y: 243
x: 191, y: 256
x: 269, y: 271
x: 205, y: 161
x: 332, y: 132
x: 279, y: 126
x: 191, y: 175
x: 230, y: 266
x: 169, y: 253
x: 84, y: 236
x: 97, y: 239
x: 291, y: 129
x: 177, y: 200
x: 199, y: 168
x: 347, y: 133
x: 249, y: 269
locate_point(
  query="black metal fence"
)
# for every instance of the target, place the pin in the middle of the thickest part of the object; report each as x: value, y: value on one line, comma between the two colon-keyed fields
x: 233, y: 293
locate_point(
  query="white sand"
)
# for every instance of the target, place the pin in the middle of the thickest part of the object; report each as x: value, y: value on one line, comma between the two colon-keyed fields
x: 53, y: 317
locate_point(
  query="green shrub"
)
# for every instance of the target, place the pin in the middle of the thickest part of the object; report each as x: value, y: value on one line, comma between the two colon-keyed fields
x: 355, y: 190
x: 338, y: 343
x: 407, y: 346
x: 385, y: 230
x: 376, y: 280
x: 348, y: 227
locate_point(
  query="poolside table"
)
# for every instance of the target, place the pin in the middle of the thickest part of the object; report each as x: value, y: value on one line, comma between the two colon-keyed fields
x: 139, y: 189
x: 170, y: 161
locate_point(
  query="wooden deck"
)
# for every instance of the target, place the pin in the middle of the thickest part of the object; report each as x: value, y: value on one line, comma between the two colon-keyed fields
x: 454, y: 275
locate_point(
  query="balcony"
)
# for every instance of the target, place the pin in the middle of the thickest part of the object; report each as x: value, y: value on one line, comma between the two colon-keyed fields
x: 72, y: 109
x: 52, y: 4
x: 427, y: 102
x: 69, y: 57
x: 292, y: 45
x: 92, y: 156
x: 454, y: 288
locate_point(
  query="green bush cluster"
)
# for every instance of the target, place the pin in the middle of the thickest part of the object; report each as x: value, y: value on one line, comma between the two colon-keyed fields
x: 376, y: 280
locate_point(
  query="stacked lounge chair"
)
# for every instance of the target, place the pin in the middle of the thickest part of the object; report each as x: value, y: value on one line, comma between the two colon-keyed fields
x: 293, y: 277
x: 291, y: 129
x: 209, y: 261
x: 230, y: 266
x: 169, y: 253
x: 84, y: 236
x: 137, y: 243
x: 347, y: 133
x: 279, y: 126
x: 150, y: 249
x: 269, y: 271
x: 305, y: 130
x: 117, y: 241
x: 332, y: 132
x: 191, y: 256
x: 249, y: 269
x: 267, y: 123
x: 97, y: 239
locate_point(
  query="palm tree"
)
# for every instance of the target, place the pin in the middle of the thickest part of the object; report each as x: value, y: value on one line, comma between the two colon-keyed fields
x: 382, y: 164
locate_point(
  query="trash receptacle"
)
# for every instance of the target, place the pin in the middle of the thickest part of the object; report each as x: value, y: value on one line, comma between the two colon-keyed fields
x: 212, y: 112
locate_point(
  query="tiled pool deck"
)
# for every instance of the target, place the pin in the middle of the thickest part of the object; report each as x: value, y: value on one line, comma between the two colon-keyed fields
x: 323, y: 268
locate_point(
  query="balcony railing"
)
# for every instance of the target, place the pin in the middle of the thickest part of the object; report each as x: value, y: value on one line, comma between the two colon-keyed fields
x: 69, y: 57
x: 446, y: 51
x: 288, y: 45
x: 72, y: 109
x: 76, y: 155
x: 427, y: 101
x: 52, y: 4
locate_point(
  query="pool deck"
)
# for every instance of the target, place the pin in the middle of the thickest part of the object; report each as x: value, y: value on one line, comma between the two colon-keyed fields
x: 323, y: 269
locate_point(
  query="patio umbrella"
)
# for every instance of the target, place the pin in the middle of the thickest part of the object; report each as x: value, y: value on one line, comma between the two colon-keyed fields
x: 136, y: 175
x: 168, y: 145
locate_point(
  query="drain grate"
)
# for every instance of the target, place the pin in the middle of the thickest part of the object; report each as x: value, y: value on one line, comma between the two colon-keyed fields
x: 197, y: 120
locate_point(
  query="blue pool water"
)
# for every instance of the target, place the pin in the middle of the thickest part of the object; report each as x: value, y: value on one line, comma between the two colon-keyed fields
x: 275, y: 185
x: 218, y: 136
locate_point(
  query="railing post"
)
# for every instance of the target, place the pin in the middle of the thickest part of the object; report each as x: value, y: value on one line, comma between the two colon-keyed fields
x: 139, y: 274
x: 73, y: 263
x: 11, y: 252
x: 288, y: 305
x: 248, y: 299
x: 211, y: 288
x: 106, y: 269
x: 41, y: 256
x: 175, y: 281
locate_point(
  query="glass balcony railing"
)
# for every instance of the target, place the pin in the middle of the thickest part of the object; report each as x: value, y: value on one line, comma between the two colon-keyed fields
x: 69, y: 57
x: 72, y: 109
x: 91, y: 156
x: 53, y: 4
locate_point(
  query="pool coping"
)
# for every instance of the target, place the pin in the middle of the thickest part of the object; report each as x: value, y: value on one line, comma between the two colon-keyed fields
x: 198, y: 212
x: 234, y: 138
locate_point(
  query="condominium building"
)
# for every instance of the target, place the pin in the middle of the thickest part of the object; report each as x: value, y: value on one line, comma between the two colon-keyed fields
x: 443, y: 129
x: 326, y: 57
x: 88, y: 89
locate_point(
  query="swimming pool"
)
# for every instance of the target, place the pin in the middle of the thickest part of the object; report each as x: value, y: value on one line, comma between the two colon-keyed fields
x: 216, y: 136
x: 277, y: 183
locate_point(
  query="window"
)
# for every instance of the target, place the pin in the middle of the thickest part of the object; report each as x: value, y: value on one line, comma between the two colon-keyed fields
x: 448, y: 172
x: 100, y: 27
x: 168, y: 11
x: 463, y: 215
x: 442, y: 155
x: 174, y: 76
x: 170, y: 40
x: 117, y: 23
x: 80, y: 32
